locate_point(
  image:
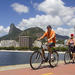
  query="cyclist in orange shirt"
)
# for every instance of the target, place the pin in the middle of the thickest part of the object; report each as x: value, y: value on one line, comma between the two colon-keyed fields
x: 51, y: 36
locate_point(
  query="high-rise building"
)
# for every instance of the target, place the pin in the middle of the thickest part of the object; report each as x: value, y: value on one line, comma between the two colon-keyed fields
x: 25, y: 41
x: 9, y: 43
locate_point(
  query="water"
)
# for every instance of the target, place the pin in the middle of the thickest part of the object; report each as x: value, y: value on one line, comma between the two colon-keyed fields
x: 13, y: 58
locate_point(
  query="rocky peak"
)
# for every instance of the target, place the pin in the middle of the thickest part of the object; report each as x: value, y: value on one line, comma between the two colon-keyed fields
x: 13, y: 29
x: 12, y: 26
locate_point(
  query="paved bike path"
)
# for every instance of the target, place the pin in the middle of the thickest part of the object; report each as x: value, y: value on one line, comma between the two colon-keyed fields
x: 61, y: 69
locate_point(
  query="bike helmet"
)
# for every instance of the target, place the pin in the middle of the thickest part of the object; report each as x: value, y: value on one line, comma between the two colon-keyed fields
x: 72, y: 34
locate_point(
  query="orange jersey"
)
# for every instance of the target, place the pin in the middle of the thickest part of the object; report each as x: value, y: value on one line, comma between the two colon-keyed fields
x: 49, y: 35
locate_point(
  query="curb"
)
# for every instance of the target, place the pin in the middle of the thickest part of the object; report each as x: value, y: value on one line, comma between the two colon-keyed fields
x: 11, y: 67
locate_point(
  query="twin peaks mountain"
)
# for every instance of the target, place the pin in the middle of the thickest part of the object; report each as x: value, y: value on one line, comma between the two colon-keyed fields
x: 33, y: 32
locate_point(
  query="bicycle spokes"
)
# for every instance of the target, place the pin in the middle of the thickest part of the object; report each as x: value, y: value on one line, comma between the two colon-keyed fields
x: 54, y: 59
x: 36, y: 60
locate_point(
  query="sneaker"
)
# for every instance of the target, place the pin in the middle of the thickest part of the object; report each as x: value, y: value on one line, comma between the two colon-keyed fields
x: 52, y: 56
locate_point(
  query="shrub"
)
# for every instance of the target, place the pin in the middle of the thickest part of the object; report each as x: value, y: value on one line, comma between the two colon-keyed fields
x: 7, y: 48
x: 60, y: 48
x: 22, y: 48
x: 10, y: 48
x: 35, y: 48
x: 13, y: 48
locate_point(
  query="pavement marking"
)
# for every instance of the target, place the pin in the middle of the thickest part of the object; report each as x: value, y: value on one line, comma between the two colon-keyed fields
x: 47, y: 74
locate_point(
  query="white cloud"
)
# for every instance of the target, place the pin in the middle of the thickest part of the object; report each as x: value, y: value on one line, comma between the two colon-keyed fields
x: 51, y: 6
x: 56, y: 14
x: 20, y: 8
x: 4, y: 31
x: 72, y: 22
x: 57, y: 8
x: 40, y: 21
x: 64, y: 31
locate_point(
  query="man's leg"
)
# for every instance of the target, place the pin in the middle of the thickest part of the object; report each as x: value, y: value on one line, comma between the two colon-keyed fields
x: 50, y: 46
x: 49, y: 49
x: 43, y: 53
x: 73, y: 57
x: 73, y: 54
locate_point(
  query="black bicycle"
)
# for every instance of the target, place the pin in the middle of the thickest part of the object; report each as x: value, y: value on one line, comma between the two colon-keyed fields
x: 68, y: 55
x: 36, y: 59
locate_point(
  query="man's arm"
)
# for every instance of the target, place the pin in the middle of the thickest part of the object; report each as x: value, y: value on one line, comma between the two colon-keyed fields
x: 52, y: 37
x: 53, y: 32
x: 42, y: 36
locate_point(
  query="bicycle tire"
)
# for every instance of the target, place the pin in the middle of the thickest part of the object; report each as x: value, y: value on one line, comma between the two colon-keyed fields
x: 67, y: 57
x: 31, y: 57
x: 51, y: 61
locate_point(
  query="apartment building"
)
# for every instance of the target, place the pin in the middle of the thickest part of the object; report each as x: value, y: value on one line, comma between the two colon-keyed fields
x: 25, y: 41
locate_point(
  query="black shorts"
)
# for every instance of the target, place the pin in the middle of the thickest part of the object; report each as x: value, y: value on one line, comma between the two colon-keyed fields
x: 73, y: 50
x: 51, y: 44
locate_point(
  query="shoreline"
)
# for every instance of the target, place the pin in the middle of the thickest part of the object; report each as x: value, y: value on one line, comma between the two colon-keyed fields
x: 24, y: 51
x: 15, y: 51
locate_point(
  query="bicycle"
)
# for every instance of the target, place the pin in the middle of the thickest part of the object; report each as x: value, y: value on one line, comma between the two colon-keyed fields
x: 68, y: 55
x: 36, y: 59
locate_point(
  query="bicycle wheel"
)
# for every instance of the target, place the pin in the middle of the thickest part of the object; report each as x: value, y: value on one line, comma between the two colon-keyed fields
x: 67, y: 57
x: 54, y: 59
x: 36, y: 60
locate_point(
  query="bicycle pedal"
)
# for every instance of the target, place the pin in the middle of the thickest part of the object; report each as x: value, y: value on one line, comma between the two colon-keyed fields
x: 45, y: 60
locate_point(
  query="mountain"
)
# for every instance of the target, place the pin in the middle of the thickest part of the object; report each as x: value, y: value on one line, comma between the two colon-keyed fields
x: 34, y: 32
x: 60, y: 37
x: 13, y: 33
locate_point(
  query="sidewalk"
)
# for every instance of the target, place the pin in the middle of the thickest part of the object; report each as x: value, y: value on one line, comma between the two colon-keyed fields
x: 61, y: 69
x: 4, y: 68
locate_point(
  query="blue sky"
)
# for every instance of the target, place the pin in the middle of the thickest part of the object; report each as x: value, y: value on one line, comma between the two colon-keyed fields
x: 8, y: 16
x: 69, y: 2
x: 36, y: 10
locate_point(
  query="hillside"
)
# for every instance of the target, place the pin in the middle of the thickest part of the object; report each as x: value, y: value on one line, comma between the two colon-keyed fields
x: 33, y: 32
x: 13, y: 33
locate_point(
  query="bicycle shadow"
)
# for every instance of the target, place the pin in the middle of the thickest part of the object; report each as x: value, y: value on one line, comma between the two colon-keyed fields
x: 69, y: 63
x: 47, y: 66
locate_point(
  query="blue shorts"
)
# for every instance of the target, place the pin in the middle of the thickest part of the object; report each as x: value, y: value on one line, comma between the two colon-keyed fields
x: 51, y: 44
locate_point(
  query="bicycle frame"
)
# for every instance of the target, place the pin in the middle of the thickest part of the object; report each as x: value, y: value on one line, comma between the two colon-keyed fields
x: 70, y: 51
